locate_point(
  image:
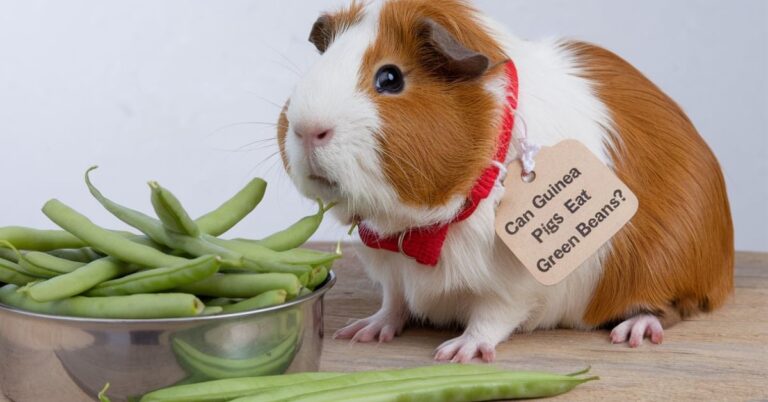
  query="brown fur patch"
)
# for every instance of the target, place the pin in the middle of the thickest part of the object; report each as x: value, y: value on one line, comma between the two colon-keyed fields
x: 437, y: 136
x: 675, y: 258
x: 330, y: 25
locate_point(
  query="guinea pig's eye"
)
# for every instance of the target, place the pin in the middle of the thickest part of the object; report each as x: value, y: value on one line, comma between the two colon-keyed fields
x: 389, y: 79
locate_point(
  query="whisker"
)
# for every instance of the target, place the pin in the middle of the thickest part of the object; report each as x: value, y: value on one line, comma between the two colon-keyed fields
x: 282, y: 55
x: 245, y: 123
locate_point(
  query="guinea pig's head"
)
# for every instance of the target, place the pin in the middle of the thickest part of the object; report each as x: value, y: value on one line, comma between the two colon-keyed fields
x: 399, y: 116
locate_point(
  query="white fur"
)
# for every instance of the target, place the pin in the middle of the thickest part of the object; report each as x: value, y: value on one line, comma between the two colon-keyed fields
x: 478, y: 283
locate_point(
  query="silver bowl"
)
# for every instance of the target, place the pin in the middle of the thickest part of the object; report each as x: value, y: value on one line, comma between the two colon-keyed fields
x: 62, y: 359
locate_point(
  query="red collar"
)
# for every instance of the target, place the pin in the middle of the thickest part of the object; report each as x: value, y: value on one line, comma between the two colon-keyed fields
x: 424, y: 244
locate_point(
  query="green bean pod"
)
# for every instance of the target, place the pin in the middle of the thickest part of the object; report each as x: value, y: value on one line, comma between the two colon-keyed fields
x: 243, y: 286
x: 471, y: 388
x: 106, y: 241
x: 297, y: 234
x: 170, y: 211
x: 212, y: 310
x: 156, y: 230
x: 257, y: 256
x: 139, y: 220
x: 266, y: 299
x: 224, y: 390
x: 223, y: 218
x: 275, y: 360
x: 8, y: 254
x: 159, y: 279
x: 368, y: 378
x: 12, y: 273
x: 317, y: 277
x: 434, y: 383
x: 78, y: 281
x: 39, y: 240
x: 84, y: 255
x: 39, y: 262
x: 163, y: 305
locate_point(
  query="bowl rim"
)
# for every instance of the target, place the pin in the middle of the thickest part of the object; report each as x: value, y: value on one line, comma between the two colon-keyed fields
x: 317, y: 293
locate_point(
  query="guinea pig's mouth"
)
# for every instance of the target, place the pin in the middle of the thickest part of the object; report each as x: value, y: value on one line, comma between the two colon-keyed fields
x: 323, y: 181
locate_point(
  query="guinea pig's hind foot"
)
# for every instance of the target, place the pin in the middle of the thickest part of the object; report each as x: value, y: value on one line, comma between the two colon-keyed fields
x: 465, y: 348
x: 382, y: 326
x: 637, y: 328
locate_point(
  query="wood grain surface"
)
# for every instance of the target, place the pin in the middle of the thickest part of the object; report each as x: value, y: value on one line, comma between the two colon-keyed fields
x: 719, y: 356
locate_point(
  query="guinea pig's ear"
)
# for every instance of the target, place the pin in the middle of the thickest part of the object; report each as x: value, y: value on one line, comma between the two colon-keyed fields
x: 448, y: 57
x: 322, y: 33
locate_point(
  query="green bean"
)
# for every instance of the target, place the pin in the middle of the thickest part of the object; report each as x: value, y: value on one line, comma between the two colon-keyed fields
x: 212, y: 310
x: 39, y: 240
x: 300, y: 271
x: 106, y: 241
x: 170, y: 211
x: 78, y: 281
x: 224, y: 390
x: 42, y: 262
x: 163, y: 305
x: 274, y: 360
x: 297, y: 234
x: 85, y: 254
x: 368, y: 378
x: 469, y: 388
x: 240, y: 286
x: 256, y: 256
x: 12, y: 273
x: 304, y: 292
x: 159, y: 279
x: 139, y: 220
x: 266, y: 299
x: 226, y: 216
x: 155, y: 230
x: 8, y: 254
x: 317, y: 277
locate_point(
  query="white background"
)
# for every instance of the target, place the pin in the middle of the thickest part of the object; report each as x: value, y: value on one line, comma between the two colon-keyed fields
x: 161, y: 90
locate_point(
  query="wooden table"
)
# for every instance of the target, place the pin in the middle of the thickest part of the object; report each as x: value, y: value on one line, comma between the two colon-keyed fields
x: 719, y: 356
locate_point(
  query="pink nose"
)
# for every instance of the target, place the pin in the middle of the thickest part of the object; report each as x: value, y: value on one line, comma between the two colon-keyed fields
x: 315, y: 138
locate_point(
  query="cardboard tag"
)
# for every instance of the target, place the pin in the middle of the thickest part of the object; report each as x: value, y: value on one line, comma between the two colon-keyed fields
x: 573, y: 207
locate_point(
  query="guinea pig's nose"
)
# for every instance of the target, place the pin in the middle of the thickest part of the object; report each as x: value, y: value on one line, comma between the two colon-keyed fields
x: 315, y: 138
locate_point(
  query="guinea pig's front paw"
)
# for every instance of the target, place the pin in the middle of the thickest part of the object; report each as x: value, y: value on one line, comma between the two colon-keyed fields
x: 465, y: 348
x: 635, y: 329
x: 382, y: 326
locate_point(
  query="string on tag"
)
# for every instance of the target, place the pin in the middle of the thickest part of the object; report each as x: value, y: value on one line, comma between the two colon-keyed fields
x: 526, y: 150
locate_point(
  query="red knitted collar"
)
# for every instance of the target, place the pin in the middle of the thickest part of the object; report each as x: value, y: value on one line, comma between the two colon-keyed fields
x: 424, y: 244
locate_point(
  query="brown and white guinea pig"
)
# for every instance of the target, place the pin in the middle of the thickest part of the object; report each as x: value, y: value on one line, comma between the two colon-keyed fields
x: 401, y: 115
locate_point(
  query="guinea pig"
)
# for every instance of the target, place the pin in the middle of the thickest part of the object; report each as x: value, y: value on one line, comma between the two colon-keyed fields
x: 399, y: 121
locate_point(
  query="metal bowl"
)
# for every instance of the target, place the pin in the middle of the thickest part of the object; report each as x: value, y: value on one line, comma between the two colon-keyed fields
x: 50, y: 358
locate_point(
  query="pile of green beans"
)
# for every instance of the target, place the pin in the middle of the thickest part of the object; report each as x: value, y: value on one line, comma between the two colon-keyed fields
x: 169, y: 268
x: 441, y: 383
